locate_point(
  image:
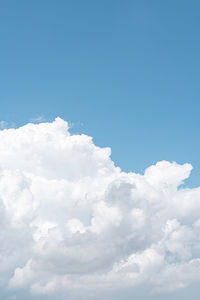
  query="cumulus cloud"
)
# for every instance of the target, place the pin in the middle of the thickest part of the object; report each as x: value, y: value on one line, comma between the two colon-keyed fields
x: 72, y: 221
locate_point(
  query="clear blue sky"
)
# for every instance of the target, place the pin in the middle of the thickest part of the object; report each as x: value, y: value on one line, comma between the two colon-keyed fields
x: 129, y: 71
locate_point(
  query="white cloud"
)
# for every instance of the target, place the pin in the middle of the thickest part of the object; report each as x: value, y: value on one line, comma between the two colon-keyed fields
x: 72, y: 221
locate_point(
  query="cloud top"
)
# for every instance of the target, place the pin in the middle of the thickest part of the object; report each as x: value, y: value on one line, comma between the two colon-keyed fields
x: 71, y: 220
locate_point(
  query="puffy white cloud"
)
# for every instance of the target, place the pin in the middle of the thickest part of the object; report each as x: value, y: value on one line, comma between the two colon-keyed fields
x: 72, y: 221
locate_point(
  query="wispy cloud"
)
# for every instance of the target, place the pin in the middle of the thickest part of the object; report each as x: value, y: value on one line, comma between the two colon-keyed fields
x: 38, y: 119
x: 6, y: 125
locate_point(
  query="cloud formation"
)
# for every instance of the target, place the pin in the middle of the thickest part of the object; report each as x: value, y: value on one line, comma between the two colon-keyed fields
x: 72, y: 221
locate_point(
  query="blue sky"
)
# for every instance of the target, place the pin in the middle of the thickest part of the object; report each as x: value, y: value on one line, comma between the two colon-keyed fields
x: 125, y: 72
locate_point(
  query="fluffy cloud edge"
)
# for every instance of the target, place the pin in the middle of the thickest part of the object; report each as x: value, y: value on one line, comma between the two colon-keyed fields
x: 71, y: 220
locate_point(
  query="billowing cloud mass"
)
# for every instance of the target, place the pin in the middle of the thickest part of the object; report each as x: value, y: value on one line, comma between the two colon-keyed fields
x: 70, y: 220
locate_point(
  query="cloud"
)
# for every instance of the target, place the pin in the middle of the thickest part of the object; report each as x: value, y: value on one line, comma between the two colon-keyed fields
x: 72, y: 222
x: 6, y: 125
x: 38, y: 119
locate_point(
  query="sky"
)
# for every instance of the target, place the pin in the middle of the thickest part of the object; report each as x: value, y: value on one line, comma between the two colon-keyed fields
x: 127, y: 74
